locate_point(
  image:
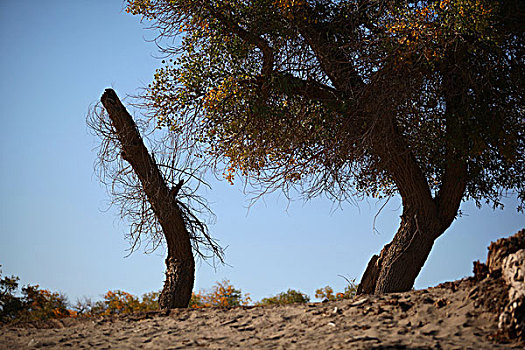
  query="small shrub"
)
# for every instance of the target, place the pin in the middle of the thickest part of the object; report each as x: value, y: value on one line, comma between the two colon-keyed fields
x: 41, y: 304
x: 328, y: 293
x: 10, y: 305
x: 85, y: 307
x: 196, y: 301
x: 289, y: 297
x: 223, y: 294
x: 150, y: 301
x: 34, y: 304
x: 118, y: 302
x: 325, y: 293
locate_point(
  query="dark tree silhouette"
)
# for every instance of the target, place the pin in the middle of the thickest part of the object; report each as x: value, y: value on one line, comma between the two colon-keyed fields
x: 352, y: 98
x: 152, y: 204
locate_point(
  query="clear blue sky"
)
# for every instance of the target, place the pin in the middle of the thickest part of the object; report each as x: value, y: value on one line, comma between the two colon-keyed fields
x: 56, y: 59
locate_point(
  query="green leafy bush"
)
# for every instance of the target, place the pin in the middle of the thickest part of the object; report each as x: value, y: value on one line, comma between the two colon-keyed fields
x: 34, y: 303
x: 289, y: 297
x: 150, y: 301
x: 10, y: 305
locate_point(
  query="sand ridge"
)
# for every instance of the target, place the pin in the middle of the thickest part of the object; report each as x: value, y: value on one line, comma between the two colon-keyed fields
x: 454, y: 315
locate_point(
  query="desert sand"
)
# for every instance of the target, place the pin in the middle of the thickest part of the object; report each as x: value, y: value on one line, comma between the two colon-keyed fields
x: 453, y: 315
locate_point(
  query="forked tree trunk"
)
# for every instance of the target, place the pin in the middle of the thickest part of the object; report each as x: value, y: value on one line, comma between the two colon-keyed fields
x: 424, y: 219
x: 180, y: 263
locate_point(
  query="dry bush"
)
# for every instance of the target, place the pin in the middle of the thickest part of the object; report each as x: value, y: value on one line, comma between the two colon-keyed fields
x: 327, y: 293
x: 222, y: 294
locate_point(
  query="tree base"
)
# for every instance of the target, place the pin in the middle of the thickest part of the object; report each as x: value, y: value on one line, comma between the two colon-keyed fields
x: 178, y: 285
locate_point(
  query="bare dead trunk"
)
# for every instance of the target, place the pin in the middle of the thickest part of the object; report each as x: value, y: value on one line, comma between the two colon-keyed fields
x: 180, y: 263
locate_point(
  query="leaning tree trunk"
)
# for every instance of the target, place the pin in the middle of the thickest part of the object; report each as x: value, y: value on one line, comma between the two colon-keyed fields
x: 400, y: 261
x: 424, y: 219
x: 180, y: 263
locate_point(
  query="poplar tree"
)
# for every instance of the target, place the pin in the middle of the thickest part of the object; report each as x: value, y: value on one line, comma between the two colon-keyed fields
x: 351, y: 98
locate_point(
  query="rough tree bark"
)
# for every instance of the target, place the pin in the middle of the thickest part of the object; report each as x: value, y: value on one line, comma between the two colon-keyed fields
x: 399, y: 263
x: 180, y: 263
x: 395, y: 269
x: 424, y: 217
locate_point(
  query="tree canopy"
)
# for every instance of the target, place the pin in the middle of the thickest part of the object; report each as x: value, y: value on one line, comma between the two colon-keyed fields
x: 350, y: 99
x: 306, y: 92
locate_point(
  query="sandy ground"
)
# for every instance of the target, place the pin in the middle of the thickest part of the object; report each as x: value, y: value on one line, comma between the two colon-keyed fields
x: 454, y: 315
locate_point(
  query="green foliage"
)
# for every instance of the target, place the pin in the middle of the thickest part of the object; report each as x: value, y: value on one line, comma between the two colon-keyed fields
x: 150, y: 301
x: 34, y: 304
x: 294, y: 93
x: 289, y: 297
x: 10, y: 305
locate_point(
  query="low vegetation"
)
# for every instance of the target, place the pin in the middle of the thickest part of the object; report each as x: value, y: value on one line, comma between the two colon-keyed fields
x: 223, y: 295
x: 327, y: 293
x: 30, y: 303
x: 289, y: 297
